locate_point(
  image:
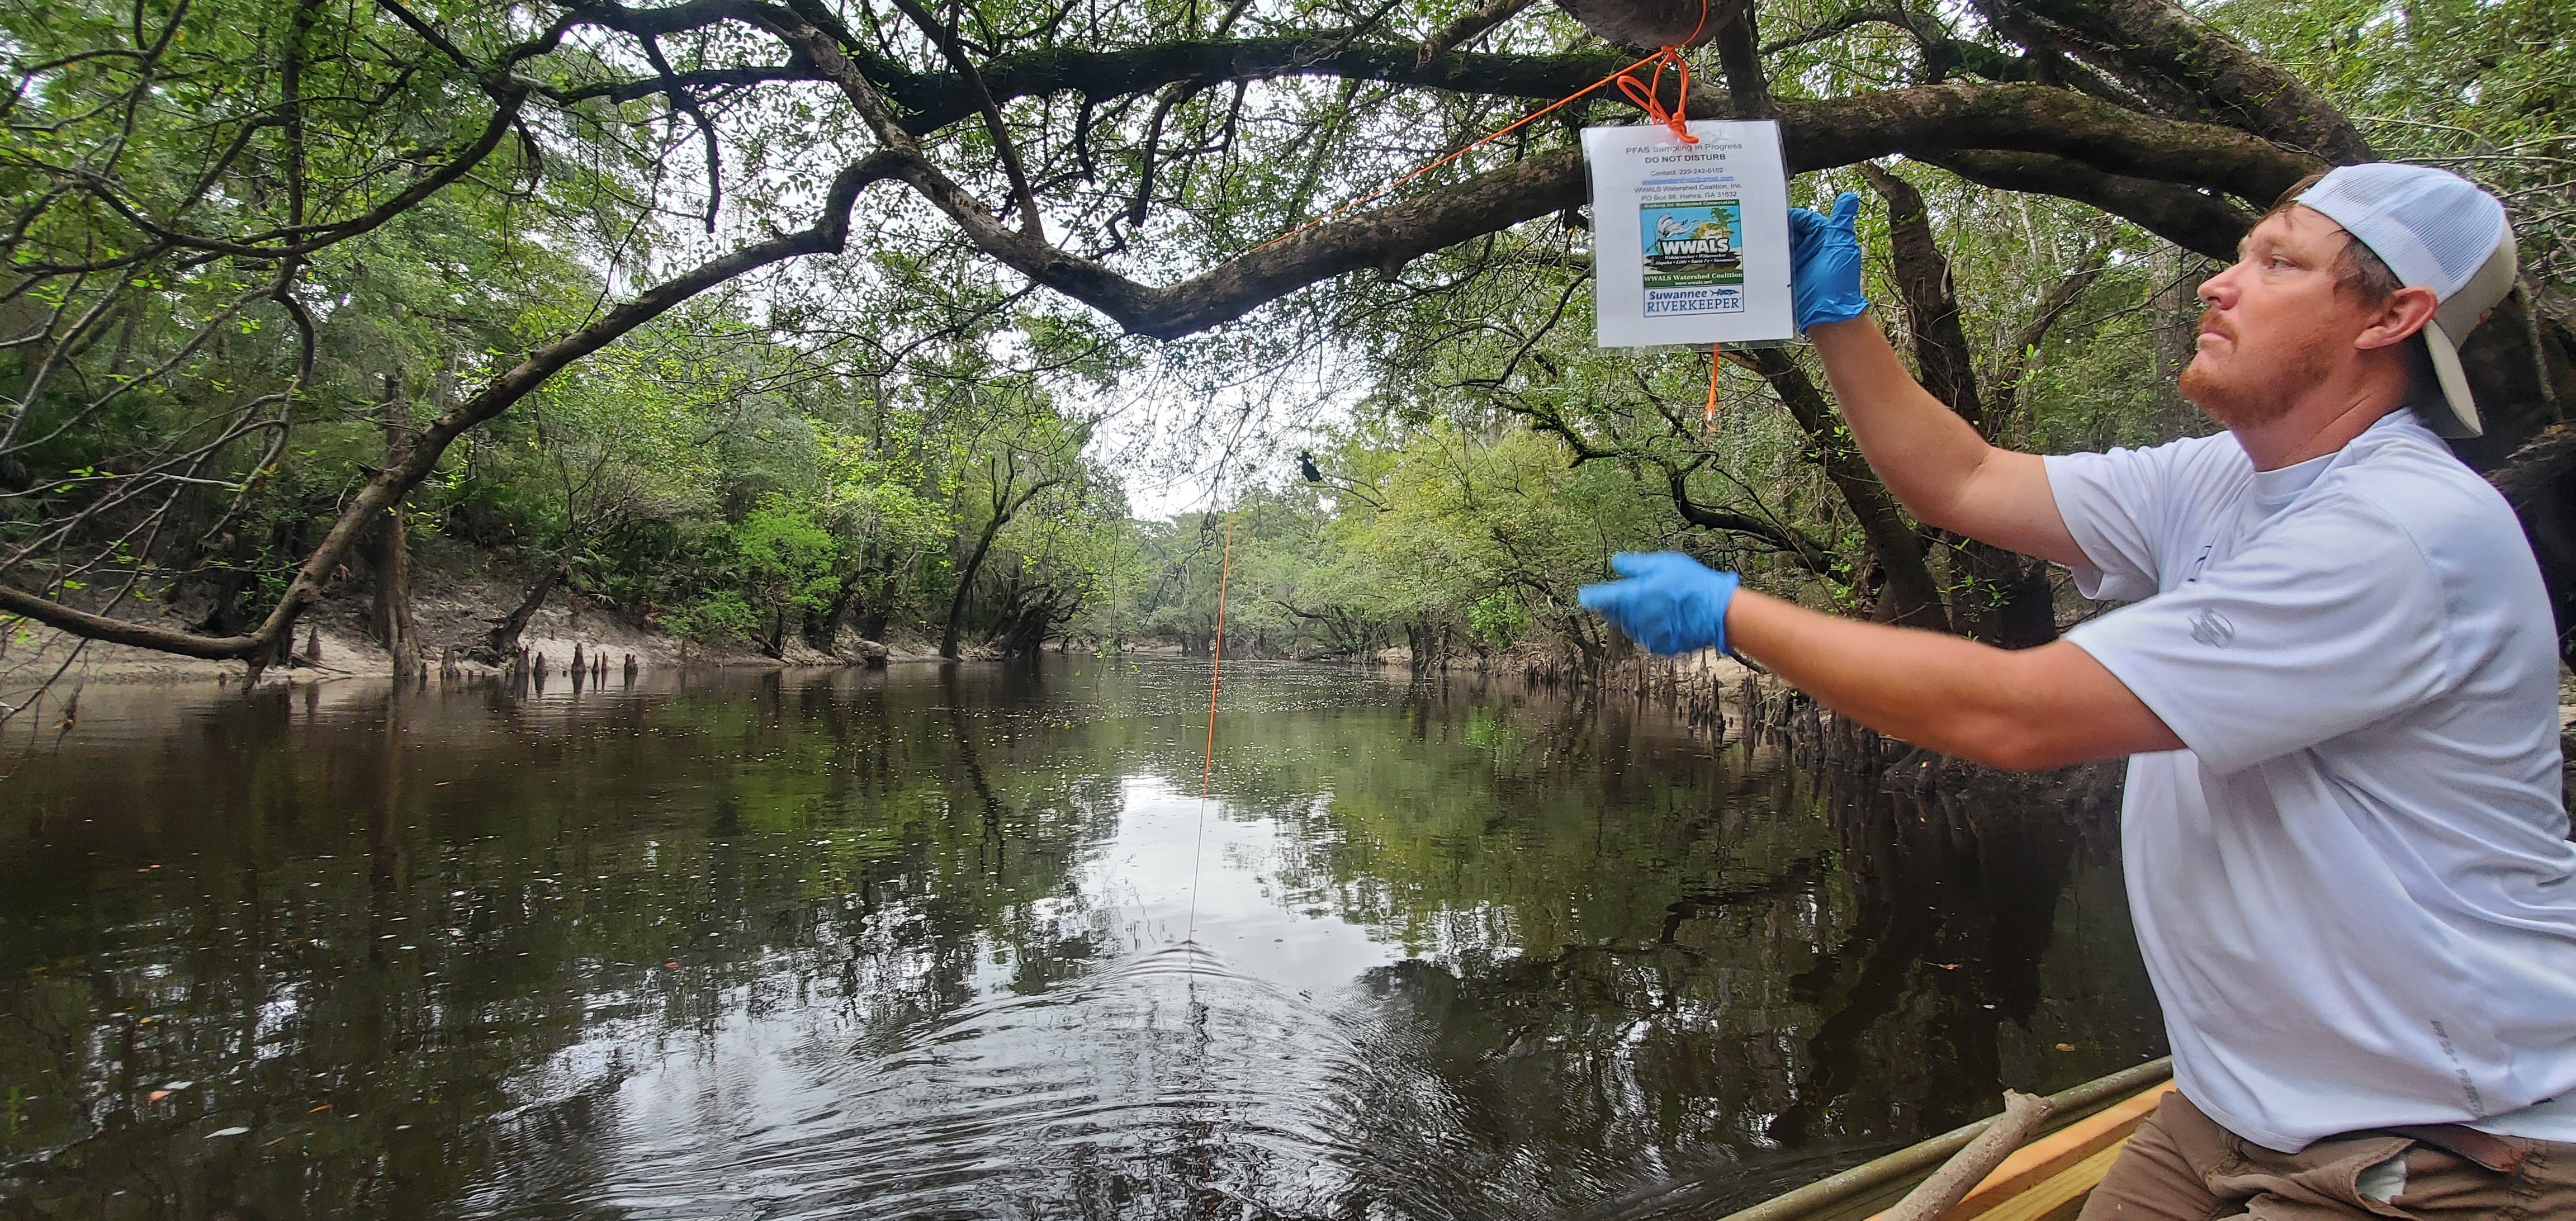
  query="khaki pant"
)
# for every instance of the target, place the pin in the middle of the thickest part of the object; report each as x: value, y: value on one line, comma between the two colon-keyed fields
x: 2182, y: 1166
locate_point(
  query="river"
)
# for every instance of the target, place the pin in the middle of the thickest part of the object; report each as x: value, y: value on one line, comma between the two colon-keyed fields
x: 928, y: 943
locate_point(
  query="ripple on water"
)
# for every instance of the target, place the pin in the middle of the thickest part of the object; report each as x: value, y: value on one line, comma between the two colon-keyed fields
x: 1167, y: 1084
x: 878, y: 946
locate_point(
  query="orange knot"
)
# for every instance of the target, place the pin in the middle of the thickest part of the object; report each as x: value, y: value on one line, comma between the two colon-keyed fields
x: 1647, y: 94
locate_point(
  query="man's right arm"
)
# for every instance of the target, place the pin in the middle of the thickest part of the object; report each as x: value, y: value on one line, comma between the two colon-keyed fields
x: 1938, y: 467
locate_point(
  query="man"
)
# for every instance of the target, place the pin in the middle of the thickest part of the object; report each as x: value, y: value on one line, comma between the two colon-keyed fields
x: 2337, y: 687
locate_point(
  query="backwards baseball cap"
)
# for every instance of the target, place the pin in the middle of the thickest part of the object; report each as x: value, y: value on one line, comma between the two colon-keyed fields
x: 2435, y: 230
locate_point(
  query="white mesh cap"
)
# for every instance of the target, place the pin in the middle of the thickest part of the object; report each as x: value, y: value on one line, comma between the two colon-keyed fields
x: 2435, y: 230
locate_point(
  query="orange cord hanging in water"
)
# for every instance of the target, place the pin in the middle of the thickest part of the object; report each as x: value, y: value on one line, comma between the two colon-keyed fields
x: 1648, y: 97
x: 1216, y: 654
x: 1207, y: 767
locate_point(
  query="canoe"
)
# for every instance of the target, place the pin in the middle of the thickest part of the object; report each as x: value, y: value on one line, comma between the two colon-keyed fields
x: 2045, y: 1180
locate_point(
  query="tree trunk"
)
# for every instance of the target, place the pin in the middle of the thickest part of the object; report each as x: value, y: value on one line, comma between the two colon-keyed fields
x: 1911, y: 597
x: 966, y: 585
x: 1025, y: 634
x: 823, y: 627
x: 874, y: 615
x: 852, y: 595
x: 776, y: 645
x: 2173, y: 311
x: 2001, y: 597
x: 1997, y: 596
x: 1005, y: 507
x: 393, y: 622
x: 503, y: 640
x: 2027, y: 615
x: 1942, y: 360
x: 1428, y: 642
x: 2520, y: 369
x: 226, y: 617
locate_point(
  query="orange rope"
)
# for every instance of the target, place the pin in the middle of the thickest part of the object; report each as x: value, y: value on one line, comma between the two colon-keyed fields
x: 1216, y: 654
x: 1516, y: 124
x: 1207, y: 768
x: 1646, y: 96
x: 1708, y: 419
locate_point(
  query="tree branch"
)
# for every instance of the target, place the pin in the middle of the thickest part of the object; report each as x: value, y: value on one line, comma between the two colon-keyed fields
x: 2152, y: 42
x: 1470, y: 25
x: 1810, y: 552
x: 2014, y: 363
x: 421, y: 454
x: 1942, y: 360
x: 1004, y: 147
x: 1818, y: 134
x: 2195, y: 220
x: 1739, y: 53
x: 1912, y: 596
x: 2541, y: 461
x: 1975, y: 117
x: 686, y: 103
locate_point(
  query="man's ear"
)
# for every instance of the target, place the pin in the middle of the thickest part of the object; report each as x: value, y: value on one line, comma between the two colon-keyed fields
x: 2404, y: 313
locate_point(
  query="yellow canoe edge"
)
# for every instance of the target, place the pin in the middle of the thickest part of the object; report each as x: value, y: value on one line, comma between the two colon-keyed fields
x: 1867, y: 1188
x: 2060, y: 1167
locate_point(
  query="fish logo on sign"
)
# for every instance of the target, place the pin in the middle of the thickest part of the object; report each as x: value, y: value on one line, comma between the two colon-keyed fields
x: 1693, y: 243
x: 2212, y: 629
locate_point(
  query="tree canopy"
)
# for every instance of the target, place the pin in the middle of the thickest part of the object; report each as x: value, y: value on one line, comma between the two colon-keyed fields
x: 830, y: 300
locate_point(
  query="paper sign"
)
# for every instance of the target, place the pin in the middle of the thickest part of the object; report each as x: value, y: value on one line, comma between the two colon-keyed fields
x: 1690, y: 242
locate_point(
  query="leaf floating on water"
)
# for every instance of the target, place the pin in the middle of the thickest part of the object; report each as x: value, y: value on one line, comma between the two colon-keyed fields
x: 227, y: 1132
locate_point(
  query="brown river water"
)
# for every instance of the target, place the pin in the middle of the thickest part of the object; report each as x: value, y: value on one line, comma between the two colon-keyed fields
x: 918, y: 944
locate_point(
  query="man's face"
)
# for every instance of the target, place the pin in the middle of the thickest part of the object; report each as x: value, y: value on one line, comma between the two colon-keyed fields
x: 2273, y: 324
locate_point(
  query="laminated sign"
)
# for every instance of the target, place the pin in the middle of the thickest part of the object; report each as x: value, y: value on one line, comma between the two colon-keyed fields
x: 1690, y: 242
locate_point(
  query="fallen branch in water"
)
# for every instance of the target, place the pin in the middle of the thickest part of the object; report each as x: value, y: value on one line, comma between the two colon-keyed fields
x: 1936, y: 1196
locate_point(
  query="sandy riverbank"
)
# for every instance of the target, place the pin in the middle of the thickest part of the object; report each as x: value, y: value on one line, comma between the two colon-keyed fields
x: 459, y: 595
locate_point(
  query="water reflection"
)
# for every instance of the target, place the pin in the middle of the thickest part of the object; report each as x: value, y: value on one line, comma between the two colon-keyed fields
x: 919, y: 945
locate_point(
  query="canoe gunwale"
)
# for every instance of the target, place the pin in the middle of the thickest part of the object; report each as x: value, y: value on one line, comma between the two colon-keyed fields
x: 1887, y: 1176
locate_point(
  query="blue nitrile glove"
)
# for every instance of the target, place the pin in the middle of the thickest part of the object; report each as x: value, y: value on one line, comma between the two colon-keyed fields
x: 1824, y: 264
x: 1670, y: 603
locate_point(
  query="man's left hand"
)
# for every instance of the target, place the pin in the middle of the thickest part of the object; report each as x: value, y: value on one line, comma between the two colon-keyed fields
x: 1824, y: 264
x: 1670, y: 603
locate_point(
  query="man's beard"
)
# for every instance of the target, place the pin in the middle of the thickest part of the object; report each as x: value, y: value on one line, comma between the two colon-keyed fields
x: 2254, y: 391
